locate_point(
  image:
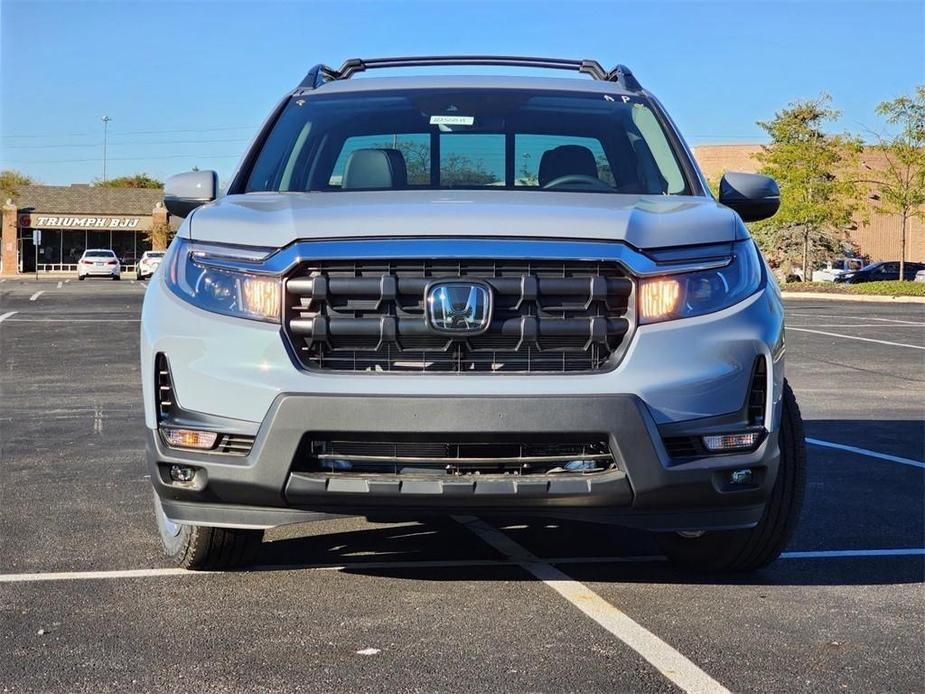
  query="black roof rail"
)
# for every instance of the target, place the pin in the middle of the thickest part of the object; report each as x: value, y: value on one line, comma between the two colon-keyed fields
x: 320, y: 74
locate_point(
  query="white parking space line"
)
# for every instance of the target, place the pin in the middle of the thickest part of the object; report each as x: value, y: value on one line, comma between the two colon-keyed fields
x: 866, y: 452
x: 855, y: 337
x: 6, y: 315
x: 36, y: 295
x: 843, y: 317
x: 668, y: 661
x: 852, y: 326
x: 75, y: 320
x: 87, y: 575
x: 852, y: 553
x: 60, y: 284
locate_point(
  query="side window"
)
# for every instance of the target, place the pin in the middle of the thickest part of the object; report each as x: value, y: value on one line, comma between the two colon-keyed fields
x: 529, y: 150
x: 415, y: 148
x: 471, y: 159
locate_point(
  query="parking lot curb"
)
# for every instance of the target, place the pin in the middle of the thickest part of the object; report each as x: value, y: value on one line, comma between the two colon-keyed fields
x: 855, y: 297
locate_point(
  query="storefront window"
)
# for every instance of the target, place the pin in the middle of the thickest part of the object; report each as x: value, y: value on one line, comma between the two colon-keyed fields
x: 75, y: 243
x: 98, y: 239
x: 123, y: 244
x: 50, y: 248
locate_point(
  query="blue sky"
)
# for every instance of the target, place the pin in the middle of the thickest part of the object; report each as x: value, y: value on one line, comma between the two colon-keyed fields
x: 187, y: 84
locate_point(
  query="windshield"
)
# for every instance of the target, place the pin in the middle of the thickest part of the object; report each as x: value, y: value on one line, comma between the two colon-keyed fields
x: 150, y: 254
x: 99, y: 254
x: 469, y: 139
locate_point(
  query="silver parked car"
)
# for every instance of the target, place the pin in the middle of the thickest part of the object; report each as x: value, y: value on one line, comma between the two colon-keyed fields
x: 149, y: 262
x: 99, y: 262
x: 437, y: 295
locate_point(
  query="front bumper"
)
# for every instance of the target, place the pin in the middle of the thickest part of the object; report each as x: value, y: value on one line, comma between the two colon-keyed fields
x: 646, y: 489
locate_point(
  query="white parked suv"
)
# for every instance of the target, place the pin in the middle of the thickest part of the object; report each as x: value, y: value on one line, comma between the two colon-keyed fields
x: 433, y: 295
x: 99, y: 262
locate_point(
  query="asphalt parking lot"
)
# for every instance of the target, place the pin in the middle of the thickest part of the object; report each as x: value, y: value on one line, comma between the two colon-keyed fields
x: 459, y: 605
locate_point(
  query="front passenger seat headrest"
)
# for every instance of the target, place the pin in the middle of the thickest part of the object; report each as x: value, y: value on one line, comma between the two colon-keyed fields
x: 375, y: 168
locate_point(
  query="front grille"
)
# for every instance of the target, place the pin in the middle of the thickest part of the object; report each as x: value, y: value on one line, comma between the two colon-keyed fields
x: 419, y: 458
x: 548, y: 316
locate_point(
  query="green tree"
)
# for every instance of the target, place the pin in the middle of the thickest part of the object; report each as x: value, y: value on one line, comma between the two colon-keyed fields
x: 10, y: 181
x: 900, y: 185
x: 816, y: 172
x: 139, y: 180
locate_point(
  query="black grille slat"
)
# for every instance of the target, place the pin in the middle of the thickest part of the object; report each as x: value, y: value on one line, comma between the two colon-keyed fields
x: 757, y: 393
x: 164, y: 396
x: 548, y: 316
x: 235, y: 444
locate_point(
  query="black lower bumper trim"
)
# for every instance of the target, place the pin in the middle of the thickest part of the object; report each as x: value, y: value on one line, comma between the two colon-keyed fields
x: 645, y: 487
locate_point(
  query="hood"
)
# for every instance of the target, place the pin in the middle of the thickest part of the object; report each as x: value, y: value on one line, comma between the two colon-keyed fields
x: 277, y: 219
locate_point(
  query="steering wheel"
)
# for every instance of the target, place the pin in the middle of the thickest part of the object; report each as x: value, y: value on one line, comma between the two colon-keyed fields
x: 578, y: 180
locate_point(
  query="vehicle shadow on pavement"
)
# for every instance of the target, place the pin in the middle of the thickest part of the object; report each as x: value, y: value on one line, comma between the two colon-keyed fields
x: 599, y: 554
x: 853, y: 502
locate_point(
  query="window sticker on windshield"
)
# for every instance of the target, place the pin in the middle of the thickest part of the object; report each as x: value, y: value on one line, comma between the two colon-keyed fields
x: 452, y: 120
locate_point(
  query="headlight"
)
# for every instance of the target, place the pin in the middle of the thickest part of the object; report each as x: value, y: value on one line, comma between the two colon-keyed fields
x: 240, y: 294
x: 697, y: 293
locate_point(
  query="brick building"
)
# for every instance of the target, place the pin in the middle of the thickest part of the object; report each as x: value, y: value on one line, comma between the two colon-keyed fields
x: 74, y: 218
x: 878, y: 238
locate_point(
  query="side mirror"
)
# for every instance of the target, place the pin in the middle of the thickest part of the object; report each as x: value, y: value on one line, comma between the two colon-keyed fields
x: 753, y: 196
x: 185, y: 192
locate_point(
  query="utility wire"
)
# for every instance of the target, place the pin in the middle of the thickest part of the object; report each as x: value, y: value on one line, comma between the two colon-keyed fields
x: 137, y: 132
x: 127, y: 144
x: 169, y: 156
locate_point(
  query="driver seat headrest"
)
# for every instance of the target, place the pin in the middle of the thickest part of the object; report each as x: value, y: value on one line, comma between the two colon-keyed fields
x: 566, y: 160
x: 375, y: 168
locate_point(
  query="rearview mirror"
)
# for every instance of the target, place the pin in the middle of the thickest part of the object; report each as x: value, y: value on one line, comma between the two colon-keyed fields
x: 753, y: 196
x: 185, y: 192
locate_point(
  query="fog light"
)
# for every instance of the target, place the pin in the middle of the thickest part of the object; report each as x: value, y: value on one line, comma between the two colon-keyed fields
x: 182, y: 473
x: 740, y: 476
x: 189, y: 438
x: 731, y: 442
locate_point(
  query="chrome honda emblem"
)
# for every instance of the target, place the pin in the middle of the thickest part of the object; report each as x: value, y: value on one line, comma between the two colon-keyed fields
x: 458, y: 307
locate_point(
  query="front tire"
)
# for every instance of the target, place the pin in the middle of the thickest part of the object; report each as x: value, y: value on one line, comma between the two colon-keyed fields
x: 204, y: 548
x: 755, y: 548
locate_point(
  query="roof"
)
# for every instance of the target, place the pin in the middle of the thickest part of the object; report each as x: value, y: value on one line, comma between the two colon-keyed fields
x: 572, y: 84
x: 87, y: 199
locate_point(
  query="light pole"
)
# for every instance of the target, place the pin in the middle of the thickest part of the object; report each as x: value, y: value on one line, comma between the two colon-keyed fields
x: 105, y: 120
